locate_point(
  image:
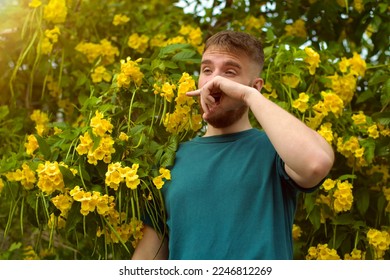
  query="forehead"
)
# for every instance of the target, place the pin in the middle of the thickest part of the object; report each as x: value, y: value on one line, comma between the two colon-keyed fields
x: 223, y: 55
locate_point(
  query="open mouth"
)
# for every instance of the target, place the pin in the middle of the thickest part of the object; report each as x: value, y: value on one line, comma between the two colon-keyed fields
x: 217, y: 96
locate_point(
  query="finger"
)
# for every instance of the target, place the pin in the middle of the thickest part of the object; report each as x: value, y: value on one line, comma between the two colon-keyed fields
x: 194, y: 92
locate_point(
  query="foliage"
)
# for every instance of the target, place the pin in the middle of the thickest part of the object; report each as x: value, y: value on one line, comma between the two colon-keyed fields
x: 92, y: 109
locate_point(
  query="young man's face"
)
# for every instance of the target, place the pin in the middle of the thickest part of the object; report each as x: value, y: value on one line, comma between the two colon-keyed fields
x: 234, y: 66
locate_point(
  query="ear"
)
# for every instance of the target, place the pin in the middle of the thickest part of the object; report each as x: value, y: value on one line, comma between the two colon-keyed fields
x: 258, y: 83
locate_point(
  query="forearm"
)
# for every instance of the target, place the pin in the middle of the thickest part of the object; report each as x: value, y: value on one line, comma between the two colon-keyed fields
x: 308, y: 157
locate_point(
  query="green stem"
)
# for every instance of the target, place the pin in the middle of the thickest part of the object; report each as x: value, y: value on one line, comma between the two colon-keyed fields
x: 130, y: 111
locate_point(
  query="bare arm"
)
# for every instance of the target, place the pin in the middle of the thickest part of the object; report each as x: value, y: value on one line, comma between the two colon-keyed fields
x: 151, y: 247
x: 308, y: 157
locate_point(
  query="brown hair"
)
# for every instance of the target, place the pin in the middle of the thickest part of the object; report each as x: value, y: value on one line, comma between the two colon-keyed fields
x: 235, y: 41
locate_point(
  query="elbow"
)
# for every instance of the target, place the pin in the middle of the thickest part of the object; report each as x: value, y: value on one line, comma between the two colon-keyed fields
x: 320, y: 166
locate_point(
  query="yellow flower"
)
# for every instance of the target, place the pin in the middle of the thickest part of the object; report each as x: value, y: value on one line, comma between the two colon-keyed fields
x: 333, y: 103
x: 158, y: 41
x: 63, y: 203
x: 252, y: 22
x: 373, y: 131
x: 123, y: 136
x: 322, y: 252
x: 1, y: 185
x: 355, y: 255
x: 343, y: 197
x: 130, y: 71
x: 167, y: 91
x: 313, y: 59
x: 120, y: 19
x: 360, y: 118
x: 291, y: 80
x: 100, y: 126
x: 35, y: 3
x: 344, y: 64
x: 379, y: 240
x: 328, y: 184
x: 297, y: 29
x: 358, y: 65
x: 55, y: 11
x: 296, y: 232
x: 301, y: 102
x: 326, y: 132
x: 50, y: 177
x: 158, y: 182
x: 99, y: 74
x: 344, y: 86
x: 31, y: 145
x: 104, y: 49
x: 138, y: 43
x: 358, y: 5
x: 164, y: 174
x: 132, y: 178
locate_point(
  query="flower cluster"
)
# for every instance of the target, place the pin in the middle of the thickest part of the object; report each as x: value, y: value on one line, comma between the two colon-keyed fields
x: 51, y: 37
x: 55, y: 11
x: 122, y: 230
x: 166, y: 90
x: 338, y: 196
x: 252, y: 22
x: 130, y: 72
x: 105, y: 148
x: 352, y: 150
x: 138, y: 42
x: 117, y: 174
x: 31, y: 145
x: 120, y: 19
x: 105, y: 50
x: 100, y: 74
x: 91, y: 201
x: 356, y: 254
x: 296, y: 232
x: 41, y: 120
x: 313, y: 59
x: 322, y: 252
x: 302, y: 102
x: 183, y: 118
x: 25, y: 176
x: 297, y: 29
x: 379, y: 240
x: 50, y: 178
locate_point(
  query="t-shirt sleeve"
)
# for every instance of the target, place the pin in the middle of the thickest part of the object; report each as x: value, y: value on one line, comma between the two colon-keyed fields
x: 290, y: 182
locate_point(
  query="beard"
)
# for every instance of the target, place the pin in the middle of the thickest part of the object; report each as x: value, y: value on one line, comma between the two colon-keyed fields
x: 226, y: 118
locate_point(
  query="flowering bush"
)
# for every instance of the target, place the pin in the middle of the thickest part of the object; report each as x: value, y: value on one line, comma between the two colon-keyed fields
x: 93, y: 107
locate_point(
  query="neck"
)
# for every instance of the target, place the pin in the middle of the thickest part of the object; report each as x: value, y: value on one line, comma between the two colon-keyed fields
x: 240, y: 125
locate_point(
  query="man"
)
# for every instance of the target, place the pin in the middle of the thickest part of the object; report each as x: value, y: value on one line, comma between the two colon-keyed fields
x: 233, y: 190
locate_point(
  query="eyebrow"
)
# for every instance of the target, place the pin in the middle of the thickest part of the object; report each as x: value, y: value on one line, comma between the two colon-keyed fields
x: 226, y: 63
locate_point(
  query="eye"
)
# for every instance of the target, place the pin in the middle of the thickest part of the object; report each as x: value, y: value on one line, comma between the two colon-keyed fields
x: 206, y: 70
x: 230, y: 73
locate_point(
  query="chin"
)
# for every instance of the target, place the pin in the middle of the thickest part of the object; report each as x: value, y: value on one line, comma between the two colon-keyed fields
x: 227, y: 118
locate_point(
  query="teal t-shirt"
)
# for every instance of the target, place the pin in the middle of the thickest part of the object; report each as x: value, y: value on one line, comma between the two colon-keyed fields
x: 230, y: 198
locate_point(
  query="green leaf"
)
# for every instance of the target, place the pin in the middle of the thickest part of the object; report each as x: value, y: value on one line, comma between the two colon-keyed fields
x: 315, y: 218
x: 346, y: 177
x: 184, y: 55
x: 4, y: 111
x: 44, y: 147
x: 362, y: 200
x: 369, y: 147
x: 343, y: 219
